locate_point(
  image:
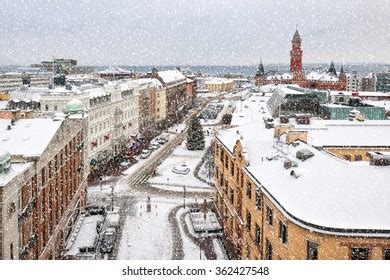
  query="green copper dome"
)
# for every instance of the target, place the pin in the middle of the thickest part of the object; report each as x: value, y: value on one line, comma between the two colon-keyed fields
x: 75, y: 106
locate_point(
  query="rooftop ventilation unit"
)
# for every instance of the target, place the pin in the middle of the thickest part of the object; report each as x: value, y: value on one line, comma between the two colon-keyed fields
x: 379, y: 158
x: 289, y: 163
x: 304, y: 154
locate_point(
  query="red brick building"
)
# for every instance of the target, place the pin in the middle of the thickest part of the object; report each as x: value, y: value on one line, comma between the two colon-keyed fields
x: 44, y: 198
x: 329, y: 80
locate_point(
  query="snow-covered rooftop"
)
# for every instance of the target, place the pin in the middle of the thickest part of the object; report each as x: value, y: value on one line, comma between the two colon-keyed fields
x: 284, y: 76
x: 14, y: 171
x: 330, y: 195
x: 218, y: 81
x: 347, y: 136
x: 363, y: 93
x: 252, y: 109
x: 112, y: 70
x: 148, y: 82
x: 171, y: 76
x: 321, y: 76
x: 384, y: 104
x: 28, y: 137
x: 95, y: 92
x: 322, y: 133
x: 27, y: 94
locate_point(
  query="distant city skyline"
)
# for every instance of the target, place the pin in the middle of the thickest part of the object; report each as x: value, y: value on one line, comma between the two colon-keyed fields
x: 164, y: 32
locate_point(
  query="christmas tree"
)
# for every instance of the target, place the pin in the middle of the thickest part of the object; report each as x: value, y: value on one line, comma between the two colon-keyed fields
x: 195, y: 135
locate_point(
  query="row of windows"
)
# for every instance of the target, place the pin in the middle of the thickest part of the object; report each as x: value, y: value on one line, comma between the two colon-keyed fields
x: 357, y: 253
x: 100, y: 127
x: 252, y: 192
x: 59, y: 159
x: 356, y: 157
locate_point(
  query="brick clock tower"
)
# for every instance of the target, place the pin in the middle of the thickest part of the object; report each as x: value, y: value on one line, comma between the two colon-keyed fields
x: 296, y: 54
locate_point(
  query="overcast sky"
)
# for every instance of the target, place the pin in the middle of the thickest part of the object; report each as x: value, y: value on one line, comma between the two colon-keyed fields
x: 184, y: 32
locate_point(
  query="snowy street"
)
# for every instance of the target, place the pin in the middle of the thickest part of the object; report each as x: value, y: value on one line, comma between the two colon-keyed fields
x: 168, y: 192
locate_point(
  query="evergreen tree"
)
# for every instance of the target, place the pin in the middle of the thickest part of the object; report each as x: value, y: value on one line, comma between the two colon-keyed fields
x: 195, y: 135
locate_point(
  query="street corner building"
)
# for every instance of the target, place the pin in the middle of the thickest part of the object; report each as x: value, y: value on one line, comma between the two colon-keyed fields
x: 282, y: 195
x: 42, y: 184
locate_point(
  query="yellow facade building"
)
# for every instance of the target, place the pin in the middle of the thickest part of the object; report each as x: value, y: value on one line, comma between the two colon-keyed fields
x: 161, y: 104
x: 220, y: 85
x: 293, y: 201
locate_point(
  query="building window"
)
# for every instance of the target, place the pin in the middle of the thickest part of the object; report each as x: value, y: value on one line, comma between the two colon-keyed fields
x: 386, y: 254
x: 248, y: 220
x: 55, y: 107
x: 270, y: 216
x: 50, y: 169
x: 249, y: 190
x: 258, y: 235
x: 312, y: 250
x: 232, y: 195
x: 282, y: 232
x: 46, y: 107
x: 347, y: 157
x: 358, y: 157
x: 268, y: 250
x: 258, y: 200
x: 43, y: 175
x: 359, y: 253
x: 232, y: 168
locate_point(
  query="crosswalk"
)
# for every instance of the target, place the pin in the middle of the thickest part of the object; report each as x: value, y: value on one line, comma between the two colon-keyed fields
x: 139, y: 179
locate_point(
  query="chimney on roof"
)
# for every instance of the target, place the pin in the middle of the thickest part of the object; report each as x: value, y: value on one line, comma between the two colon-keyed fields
x: 296, y: 174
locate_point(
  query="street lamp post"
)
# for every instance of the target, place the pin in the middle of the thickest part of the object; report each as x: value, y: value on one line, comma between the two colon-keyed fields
x: 200, y: 247
x: 184, y: 197
x: 112, y: 198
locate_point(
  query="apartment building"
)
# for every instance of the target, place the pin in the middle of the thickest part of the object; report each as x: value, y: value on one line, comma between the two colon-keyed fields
x: 282, y: 198
x: 43, y: 179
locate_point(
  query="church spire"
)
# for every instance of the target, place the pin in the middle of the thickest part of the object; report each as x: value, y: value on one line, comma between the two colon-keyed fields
x: 342, y: 69
x: 260, y: 70
x: 332, y: 69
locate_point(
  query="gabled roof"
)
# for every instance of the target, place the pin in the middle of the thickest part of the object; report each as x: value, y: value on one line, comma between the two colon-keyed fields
x: 171, y: 76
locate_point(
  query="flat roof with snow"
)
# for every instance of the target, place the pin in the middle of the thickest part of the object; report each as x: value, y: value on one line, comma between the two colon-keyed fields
x: 330, y: 195
x: 337, y: 133
x: 15, y: 170
x: 28, y: 137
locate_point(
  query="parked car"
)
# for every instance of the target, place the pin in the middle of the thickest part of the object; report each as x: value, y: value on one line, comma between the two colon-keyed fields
x: 92, y: 210
x: 108, y: 240
x: 154, y: 145
x: 163, y: 138
x: 145, y: 153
